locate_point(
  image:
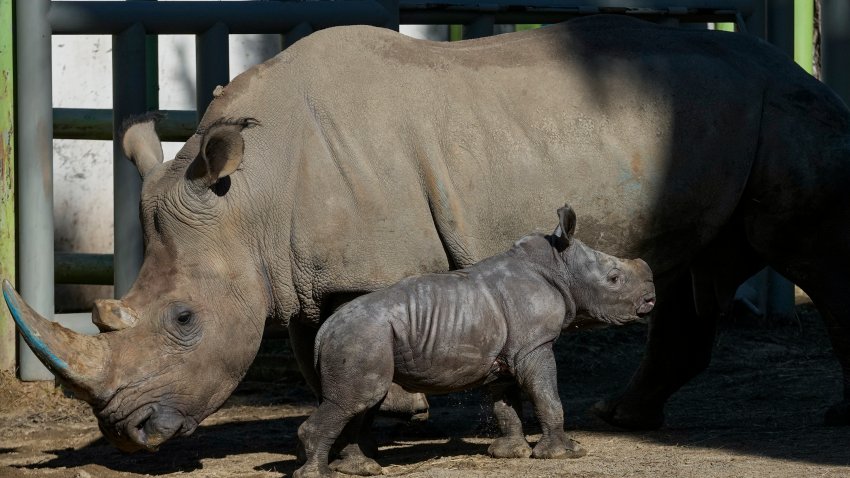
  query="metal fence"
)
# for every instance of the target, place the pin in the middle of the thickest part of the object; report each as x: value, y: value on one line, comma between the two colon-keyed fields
x: 133, y: 26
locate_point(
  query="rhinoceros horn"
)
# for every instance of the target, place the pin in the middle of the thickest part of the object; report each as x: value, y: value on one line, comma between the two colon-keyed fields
x: 110, y: 315
x: 77, y: 360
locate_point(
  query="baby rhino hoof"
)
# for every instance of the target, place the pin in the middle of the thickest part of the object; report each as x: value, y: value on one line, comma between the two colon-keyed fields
x: 357, y: 465
x: 509, y: 447
x: 555, y: 448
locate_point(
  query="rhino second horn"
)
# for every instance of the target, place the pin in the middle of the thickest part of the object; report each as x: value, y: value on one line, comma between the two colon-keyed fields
x: 111, y: 315
x: 77, y: 360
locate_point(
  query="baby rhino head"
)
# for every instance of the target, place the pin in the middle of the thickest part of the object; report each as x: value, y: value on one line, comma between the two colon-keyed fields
x: 604, y: 288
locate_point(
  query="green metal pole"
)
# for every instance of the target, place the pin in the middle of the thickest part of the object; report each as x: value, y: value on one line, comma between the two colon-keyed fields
x: 7, y: 177
x: 804, y: 12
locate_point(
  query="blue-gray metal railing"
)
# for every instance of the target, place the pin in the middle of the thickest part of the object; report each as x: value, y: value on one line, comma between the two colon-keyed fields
x: 34, y: 143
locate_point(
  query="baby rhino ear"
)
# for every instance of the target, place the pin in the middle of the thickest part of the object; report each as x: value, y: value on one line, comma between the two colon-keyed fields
x: 566, y: 227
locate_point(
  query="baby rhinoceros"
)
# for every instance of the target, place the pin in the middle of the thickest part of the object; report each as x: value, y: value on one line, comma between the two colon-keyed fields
x: 491, y: 323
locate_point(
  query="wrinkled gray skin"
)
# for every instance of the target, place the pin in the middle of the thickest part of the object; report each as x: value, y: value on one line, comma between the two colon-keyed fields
x: 491, y: 323
x: 377, y: 157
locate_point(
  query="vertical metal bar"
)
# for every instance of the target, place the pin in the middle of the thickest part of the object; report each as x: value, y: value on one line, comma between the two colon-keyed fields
x: 804, y: 13
x: 779, y: 301
x: 34, y: 144
x: 392, y: 8
x: 212, y: 64
x: 756, y: 22
x: 780, y: 25
x: 128, y: 98
x: 300, y: 31
x: 480, y: 27
x: 7, y: 178
x: 835, y: 45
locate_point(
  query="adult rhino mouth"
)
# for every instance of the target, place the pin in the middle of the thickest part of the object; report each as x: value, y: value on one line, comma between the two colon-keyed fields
x: 148, y: 428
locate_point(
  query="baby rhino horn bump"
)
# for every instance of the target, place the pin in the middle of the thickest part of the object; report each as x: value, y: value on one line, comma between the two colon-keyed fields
x: 111, y: 315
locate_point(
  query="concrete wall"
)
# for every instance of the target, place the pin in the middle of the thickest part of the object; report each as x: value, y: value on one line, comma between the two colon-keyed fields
x: 82, y: 179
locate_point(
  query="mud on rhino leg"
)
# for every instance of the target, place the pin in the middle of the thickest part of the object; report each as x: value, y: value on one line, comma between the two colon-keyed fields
x: 507, y: 408
x: 678, y: 348
x: 537, y: 376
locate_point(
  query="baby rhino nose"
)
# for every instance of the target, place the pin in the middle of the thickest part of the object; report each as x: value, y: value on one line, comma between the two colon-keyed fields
x: 646, y: 305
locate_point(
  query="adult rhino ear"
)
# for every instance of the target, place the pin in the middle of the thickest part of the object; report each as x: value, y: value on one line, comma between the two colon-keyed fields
x: 140, y: 141
x: 222, y: 148
x: 563, y: 234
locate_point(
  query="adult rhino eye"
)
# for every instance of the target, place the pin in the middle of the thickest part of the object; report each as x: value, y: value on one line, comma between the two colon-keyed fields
x: 184, y: 318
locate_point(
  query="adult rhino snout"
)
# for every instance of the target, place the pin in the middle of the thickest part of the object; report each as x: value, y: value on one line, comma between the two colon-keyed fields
x: 149, y: 427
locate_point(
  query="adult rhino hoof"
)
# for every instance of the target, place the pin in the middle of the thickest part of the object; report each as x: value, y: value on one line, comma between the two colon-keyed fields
x: 622, y: 414
x: 509, y: 447
x: 838, y: 415
x: 357, y: 465
x: 405, y: 406
x: 558, y: 449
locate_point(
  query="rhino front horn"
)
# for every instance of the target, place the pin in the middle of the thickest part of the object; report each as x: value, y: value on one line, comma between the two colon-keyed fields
x: 77, y: 360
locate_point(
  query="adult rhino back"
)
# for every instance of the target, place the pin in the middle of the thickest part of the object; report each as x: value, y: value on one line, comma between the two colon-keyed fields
x: 358, y: 157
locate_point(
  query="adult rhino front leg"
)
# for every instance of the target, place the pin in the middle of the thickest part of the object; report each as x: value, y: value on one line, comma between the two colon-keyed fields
x: 678, y: 348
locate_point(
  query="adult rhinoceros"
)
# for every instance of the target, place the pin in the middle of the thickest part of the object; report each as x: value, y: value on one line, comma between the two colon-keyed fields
x: 359, y: 156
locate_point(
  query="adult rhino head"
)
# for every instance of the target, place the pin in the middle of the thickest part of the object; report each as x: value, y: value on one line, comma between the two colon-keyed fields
x: 166, y: 356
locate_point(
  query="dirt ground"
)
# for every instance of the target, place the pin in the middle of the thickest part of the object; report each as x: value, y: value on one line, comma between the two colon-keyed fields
x: 756, y: 412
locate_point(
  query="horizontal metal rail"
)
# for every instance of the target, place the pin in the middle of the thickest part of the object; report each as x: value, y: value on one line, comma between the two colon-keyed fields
x: 80, y: 123
x: 111, y: 17
x: 80, y: 268
x: 104, y: 18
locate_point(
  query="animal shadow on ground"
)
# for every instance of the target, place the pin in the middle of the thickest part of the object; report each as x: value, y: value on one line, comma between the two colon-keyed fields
x: 186, y: 454
x: 764, y: 394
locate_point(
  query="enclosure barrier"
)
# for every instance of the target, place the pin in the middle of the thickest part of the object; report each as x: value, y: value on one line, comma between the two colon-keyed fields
x: 133, y: 23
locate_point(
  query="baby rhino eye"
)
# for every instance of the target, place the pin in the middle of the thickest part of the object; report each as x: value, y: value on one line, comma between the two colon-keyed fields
x: 615, y: 277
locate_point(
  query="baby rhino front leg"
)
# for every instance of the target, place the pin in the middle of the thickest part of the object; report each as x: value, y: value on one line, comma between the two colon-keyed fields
x: 537, y: 376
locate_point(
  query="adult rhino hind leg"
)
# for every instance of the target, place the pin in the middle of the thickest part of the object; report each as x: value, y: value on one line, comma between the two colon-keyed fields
x: 823, y: 277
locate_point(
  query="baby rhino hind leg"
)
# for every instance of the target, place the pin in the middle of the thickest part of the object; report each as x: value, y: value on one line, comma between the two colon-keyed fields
x: 356, y: 369
x: 507, y: 408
